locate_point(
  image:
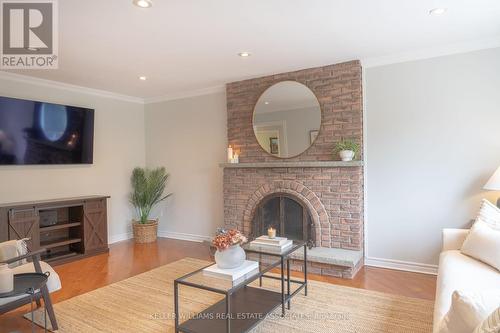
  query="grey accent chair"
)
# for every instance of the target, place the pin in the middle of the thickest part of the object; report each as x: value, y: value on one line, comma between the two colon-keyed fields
x: 20, y: 264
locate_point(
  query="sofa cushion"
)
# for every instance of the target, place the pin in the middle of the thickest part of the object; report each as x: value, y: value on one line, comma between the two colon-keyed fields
x: 53, y: 282
x: 460, y: 272
x: 483, y: 243
x: 490, y: 324
x: 468, y: 310
x: 489, y: 213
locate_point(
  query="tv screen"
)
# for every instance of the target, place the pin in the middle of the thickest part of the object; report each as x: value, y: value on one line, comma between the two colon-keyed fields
x: 34, y: 132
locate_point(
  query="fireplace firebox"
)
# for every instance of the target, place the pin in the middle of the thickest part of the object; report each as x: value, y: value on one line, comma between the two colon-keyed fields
x: 287, y: 215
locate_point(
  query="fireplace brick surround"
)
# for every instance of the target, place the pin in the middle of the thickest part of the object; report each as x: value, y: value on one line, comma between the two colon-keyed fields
x: 333, y: 192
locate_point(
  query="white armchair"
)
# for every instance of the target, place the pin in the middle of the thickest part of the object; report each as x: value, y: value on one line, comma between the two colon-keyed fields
x: 20, y: 265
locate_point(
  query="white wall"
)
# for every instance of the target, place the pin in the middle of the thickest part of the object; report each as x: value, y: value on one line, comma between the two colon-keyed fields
x: 433, y: 140
x: 118, y: 148
x: 188, y: 137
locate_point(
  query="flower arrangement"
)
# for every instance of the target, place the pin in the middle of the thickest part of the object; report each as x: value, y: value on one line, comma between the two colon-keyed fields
x: 226, y: 238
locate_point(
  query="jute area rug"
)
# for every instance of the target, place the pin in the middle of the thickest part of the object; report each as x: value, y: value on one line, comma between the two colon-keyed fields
x: 144, y: 303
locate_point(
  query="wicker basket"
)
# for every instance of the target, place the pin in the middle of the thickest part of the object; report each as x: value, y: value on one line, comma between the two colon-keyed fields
x: 145, y: 233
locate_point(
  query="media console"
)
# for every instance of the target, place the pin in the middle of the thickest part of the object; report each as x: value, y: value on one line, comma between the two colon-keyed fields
x: 69, y: 228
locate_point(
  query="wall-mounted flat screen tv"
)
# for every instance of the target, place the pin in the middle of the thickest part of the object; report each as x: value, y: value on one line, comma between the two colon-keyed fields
x: 34, y: 132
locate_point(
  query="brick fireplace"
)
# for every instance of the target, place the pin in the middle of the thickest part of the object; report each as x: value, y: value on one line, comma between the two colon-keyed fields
x: 330, y: 191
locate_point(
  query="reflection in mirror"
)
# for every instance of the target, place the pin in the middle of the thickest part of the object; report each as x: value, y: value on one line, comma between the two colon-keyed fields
x: 286, y: 119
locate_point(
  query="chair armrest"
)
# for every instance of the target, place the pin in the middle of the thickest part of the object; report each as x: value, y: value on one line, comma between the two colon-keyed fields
x: 454, y: 238
x: 34, y: 254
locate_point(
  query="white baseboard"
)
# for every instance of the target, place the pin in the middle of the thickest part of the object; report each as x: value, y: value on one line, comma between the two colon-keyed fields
x: 165, y: 234
x: 183, y: 236
x: 402, y: 265
x: 120, y: 237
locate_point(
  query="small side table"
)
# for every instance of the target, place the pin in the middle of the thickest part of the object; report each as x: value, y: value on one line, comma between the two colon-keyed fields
x: 29, y: 284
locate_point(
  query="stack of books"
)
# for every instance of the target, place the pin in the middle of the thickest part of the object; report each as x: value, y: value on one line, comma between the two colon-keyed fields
x: 274, y: 244
x: 245, y: 271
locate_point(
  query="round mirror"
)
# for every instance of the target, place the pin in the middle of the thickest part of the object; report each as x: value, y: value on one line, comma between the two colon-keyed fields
x: 286, y: 119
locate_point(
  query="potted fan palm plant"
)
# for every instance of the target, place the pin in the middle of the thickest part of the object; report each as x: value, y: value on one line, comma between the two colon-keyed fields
x: 148, y: 187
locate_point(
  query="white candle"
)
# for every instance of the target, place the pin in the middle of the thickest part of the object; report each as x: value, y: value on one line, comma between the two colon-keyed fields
x: 236, y: 158
x: 230, y: 154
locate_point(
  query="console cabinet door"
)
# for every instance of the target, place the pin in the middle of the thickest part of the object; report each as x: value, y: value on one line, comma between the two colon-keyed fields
x: 95, y: 228
x: 23, y: 223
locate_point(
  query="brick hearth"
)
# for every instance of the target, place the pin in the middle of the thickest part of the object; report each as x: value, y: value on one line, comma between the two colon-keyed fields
x: 333, y: 194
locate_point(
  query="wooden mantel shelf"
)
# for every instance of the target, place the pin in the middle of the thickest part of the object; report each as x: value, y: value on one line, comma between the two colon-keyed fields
x: 305, y: 164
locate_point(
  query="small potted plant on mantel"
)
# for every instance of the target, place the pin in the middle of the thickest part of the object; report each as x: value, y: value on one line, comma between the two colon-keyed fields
x: 346, y: 150
x: 148, y: 188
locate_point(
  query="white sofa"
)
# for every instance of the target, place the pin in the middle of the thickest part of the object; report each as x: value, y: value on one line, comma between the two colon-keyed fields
x: 459, y: 272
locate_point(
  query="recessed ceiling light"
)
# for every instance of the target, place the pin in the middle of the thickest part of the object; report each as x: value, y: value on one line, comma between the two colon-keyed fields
x: 437, y: 11
x: 266, y: 103
x: 143, y: 3
x: 142, y: 78
x: 244, y: 54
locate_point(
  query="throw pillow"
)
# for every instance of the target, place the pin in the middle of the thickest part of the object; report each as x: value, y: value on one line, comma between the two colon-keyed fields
x: 483, y: 243
x: 11, y: 249
x: 490, y: 324
x: 468, y: 310
x: 489, y: 213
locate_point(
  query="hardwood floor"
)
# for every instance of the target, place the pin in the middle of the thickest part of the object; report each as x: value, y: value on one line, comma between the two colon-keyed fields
x: 127, y: 259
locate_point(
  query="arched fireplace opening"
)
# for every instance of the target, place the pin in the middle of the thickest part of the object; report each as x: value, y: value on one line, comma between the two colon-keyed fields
x: 289, y: 216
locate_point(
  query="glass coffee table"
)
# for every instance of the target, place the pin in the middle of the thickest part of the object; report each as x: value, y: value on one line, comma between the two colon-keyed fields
x: 243, y: 306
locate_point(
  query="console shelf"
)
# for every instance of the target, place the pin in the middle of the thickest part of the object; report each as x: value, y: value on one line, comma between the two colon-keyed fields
x: 60, y: 256
x: 61, y: 226
x: 59, y: 242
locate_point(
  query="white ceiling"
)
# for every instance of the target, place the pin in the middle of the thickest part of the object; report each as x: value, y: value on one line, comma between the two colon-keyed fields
x: 185, y: 45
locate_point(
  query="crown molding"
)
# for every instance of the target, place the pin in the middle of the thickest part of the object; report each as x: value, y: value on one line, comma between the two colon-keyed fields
x: 186, y: 94
x: 68, y: 87
x: 434, y: 52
